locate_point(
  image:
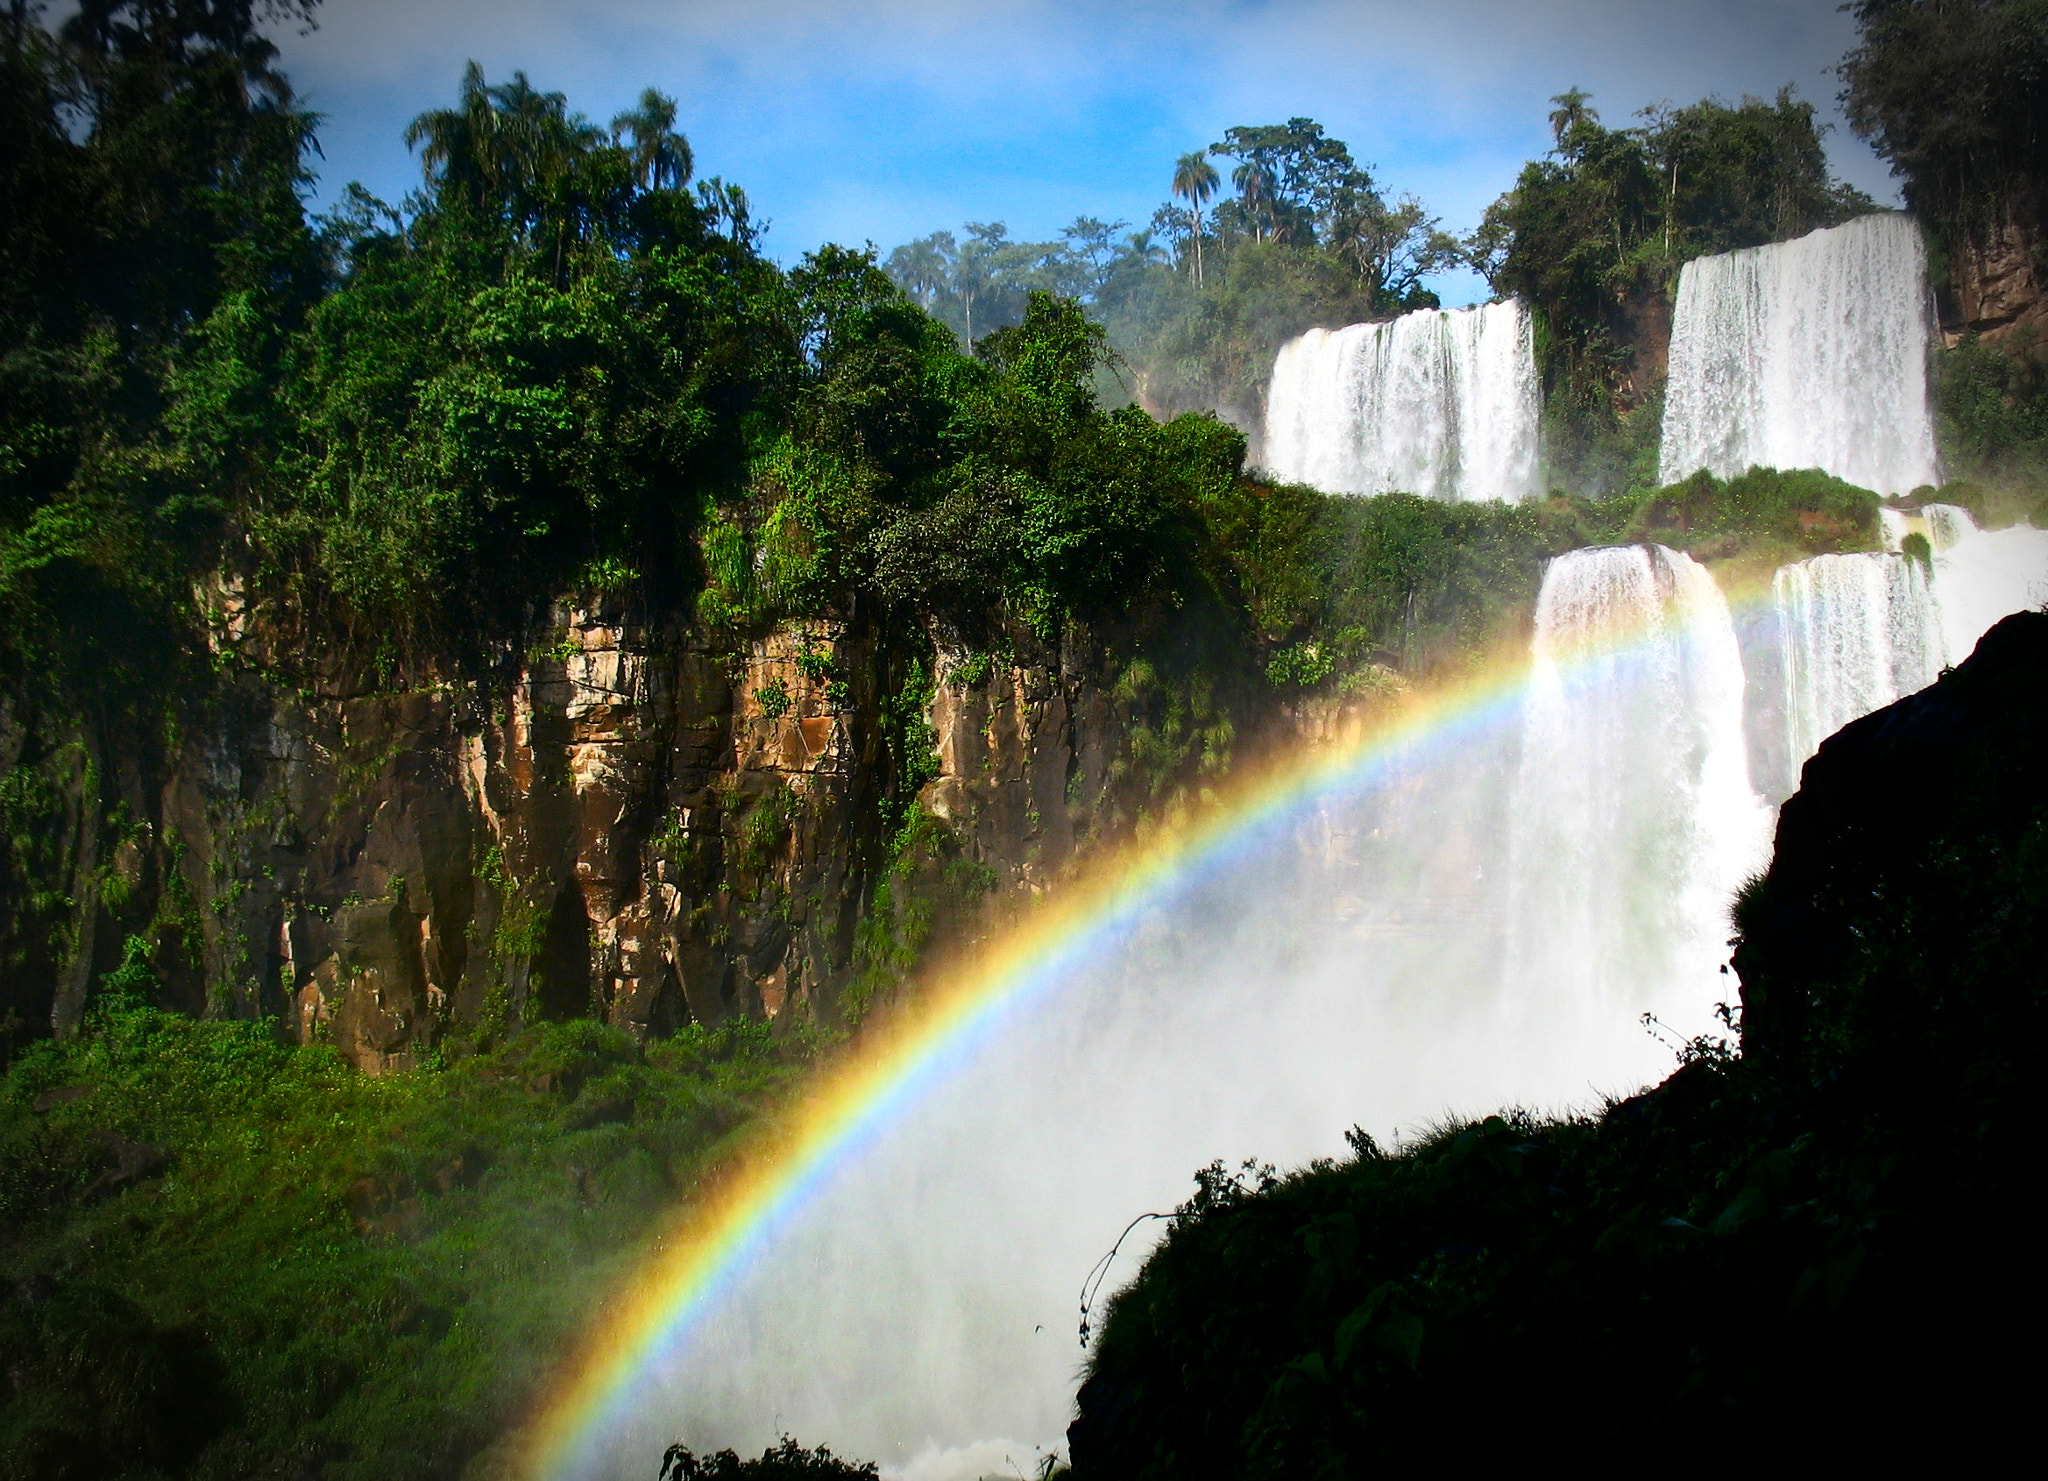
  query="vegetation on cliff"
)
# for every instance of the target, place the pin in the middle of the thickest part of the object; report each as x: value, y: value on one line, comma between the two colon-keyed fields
x: 225, y: 1256
x: 360, y: 464
x: 1951, y: 92
x: 1815, y: 1242
x: 1954, y: 94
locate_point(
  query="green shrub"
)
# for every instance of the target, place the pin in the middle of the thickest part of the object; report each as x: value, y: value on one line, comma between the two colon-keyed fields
x: 787, y: 1461
x: 254, y: 1251
x: 1302, y: 666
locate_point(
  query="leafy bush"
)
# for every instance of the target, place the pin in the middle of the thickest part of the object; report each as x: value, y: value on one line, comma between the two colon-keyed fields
x: 228, y: 1253
x: 1991, y: 419
x: 787, y: 1461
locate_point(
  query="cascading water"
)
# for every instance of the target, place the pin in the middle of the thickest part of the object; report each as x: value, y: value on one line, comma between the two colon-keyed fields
x: 1806, y: 354
x: 1947, y: 525
x: 1434, y: 402
x: 1635, y: 819
x: 1482, y: 922
x: 1858, y: 631
x: 1851, y: 633
x: 1982, y: 575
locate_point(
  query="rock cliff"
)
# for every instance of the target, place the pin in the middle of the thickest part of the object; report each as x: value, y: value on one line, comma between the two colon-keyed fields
x: 630, y: 820
x: 1998, y: 286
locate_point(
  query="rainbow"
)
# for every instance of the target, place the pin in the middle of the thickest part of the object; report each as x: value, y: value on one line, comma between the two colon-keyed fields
x: 720, y: 1235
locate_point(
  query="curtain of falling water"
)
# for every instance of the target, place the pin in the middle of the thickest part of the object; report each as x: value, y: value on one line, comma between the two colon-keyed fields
x: 1446, y: 939
x: 1805, y: 354
x: 1436, y: 403
x: 1849, y: 634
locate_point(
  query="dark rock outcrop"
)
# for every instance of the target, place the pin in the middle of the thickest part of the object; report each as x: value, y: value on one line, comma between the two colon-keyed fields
x: 1887, y: 853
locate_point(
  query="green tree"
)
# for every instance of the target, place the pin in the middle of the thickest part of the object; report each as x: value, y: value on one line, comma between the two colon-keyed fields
x: 1954, y: 94
x: 661, y: 156
x: 1195, y: 180
x: 514, y: 160
x: 924, y: 268
x: 153, y: 263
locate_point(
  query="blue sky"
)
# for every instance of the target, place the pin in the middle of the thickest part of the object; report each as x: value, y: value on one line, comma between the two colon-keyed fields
x: 884, y: 119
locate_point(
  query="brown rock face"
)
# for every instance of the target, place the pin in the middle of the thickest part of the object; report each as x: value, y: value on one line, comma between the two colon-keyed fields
x: 639, y: 828
x: 1999, y: 287
x: 633, y: 823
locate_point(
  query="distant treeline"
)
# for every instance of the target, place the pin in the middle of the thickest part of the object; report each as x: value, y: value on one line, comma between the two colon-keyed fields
x: 1276, y: 228
x: 1198, y: 299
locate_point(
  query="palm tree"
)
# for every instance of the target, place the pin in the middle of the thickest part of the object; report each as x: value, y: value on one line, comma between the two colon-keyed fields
x: 539, y: 141
x: 457, y: 145
x: 922, y: 268
x: 661, y: 156
x: 1256, y: 188
x: 1142, y: 246
x: 1195, y: 179
x: 1570, y: 119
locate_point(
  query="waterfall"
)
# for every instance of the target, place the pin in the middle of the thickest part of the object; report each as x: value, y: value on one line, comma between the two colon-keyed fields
x: 1947, y: 525
x: 1437, y: 403
x: 1634, y: 819
x: 1480, y: 920
x: 1894, y: 525
x: 1858, y: 631
x: 1852, y: 633
x: 1982, y: 575
x: 1806, y: 354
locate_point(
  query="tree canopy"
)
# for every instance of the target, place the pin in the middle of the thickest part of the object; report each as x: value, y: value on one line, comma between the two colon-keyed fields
x: 1954, y: 93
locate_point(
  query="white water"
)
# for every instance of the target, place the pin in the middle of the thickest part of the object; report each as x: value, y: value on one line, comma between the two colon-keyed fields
x: 1483, y: 924
x: 1442, y: 403
x: 1852, y: 633
x: 1635, y: 818
x: 1982, y: 575
x: 1859, y: 631
x: 1806, y: 354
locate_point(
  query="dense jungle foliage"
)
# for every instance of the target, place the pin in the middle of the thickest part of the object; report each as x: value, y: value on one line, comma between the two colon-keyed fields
x: 1813, y: 1243
x: 395, y: 433
x: 1954, y: 93
x: 225, y: 1256
x: 1196, y: 302
x: 556, y: 367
